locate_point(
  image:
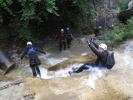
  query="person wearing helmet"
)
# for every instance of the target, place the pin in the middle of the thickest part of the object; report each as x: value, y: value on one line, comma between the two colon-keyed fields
x: 33, y: 58
x: 100, y: 51
x: 62, y: 40
x: 69, y: 37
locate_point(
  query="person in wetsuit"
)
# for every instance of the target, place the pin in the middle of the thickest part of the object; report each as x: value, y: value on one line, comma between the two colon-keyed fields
x: 33, y: 58
x: 100, y: 51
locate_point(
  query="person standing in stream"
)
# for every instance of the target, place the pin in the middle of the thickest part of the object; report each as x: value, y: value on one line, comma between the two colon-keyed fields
x: 33, y: 58
x: 62, y: 40
x: 69, y: 37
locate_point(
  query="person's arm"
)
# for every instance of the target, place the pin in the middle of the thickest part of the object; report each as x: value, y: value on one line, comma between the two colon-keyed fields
x: 72, y: 36
x: 41, y: 51
x: 94, y: 49
x: 56, y: 37
x: 96, y: 45
x: 24, y: 53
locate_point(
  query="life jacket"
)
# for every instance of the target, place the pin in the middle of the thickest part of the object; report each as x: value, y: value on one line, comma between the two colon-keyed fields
x: 31, y: 51
x: 68, y: 35
x: 34, y: 60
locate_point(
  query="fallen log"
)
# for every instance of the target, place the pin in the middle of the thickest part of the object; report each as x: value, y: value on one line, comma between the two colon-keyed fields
x: 79, y: 59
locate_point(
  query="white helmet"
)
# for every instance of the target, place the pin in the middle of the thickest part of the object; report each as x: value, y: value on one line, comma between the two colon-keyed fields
x: 103, y: 46
x: 62, y: 30
x: 68, y: 28
x: 29, y: 43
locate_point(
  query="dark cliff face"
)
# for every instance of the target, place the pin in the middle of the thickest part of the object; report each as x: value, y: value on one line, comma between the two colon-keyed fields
x: 125, y: 15
x: 106, y: 13
x: 109, y: 12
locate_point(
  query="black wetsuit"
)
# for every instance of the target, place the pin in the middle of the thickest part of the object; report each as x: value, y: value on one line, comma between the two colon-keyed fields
x: 68, y: 36
x: 101, y: 58
x: 62, y: 41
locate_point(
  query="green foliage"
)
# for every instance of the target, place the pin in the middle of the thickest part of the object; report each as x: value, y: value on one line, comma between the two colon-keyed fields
x: 3, y: 36
x: 18, y: 14
x: 30, y: 8
x: 23, y: 18
x: 123, y: 4
x: 25, y: 34
x: 87, y: 10
x: 120, y: 33
x: 5, y: 5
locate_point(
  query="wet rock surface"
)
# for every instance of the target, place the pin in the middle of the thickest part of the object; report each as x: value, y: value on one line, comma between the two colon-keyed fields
x: 106, y: 15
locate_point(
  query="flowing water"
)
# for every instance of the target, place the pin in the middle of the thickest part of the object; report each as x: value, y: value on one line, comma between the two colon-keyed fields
x: 4, y: 60
x: 93, y: 84
x: 93, y: 73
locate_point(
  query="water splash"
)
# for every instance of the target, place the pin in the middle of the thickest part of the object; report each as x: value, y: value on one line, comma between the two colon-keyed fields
x: 44, y: 73
x: 59, y: 73
x: 54, y: 61
x: 64, y: 72
x: 129, y: 48
x: 94, y: 75
x: 128, y: 53
x: 4, y: 59
x: 84, y: 54
x: 51, y: 60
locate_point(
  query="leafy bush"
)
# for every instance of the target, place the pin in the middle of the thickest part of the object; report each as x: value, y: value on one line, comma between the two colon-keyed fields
x: 16, y: 15
x: 3, y: 36
x: 120, y: 32
x: 25, y: 18
x: 88, y: 12
x: 123, y: 4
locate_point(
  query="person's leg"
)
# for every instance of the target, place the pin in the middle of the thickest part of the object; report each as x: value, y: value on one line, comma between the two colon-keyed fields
x: 60, y: 46
x: 38, y: 71
x: 84, y: 67
x: 69, y: 43
x: 33, y: 70
x: 79, y: 70
x: 64, y: 44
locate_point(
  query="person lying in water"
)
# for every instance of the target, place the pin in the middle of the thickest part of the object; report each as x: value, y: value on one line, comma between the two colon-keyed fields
x: 102, y: 54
